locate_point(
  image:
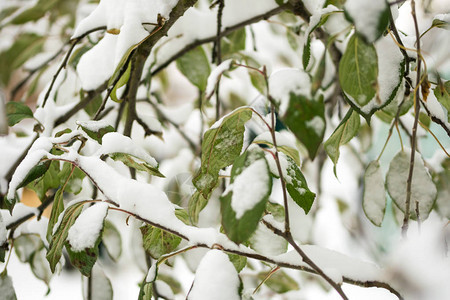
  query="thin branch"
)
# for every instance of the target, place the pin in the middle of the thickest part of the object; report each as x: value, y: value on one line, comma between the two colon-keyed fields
x: 40, y: 208
x: 414, y: 129
x: 225, y: 32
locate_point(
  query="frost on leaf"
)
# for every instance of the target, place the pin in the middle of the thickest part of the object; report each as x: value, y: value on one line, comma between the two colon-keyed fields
x: 215, y: 277
x: 244, y: 201
x: 222, y: 143
x: 423, y: 190
x: 374, y: 199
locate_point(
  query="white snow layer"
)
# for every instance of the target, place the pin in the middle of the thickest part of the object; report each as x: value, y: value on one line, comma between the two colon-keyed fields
x: 98, y: 64
x: 85, y: 231
x: 215, y: 278
x: 366, y: 15
x: 250, y: 187
x: 114, y: 142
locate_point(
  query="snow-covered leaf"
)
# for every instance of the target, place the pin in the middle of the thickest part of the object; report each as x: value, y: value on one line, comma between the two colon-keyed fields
x: 297, y: 187
x: 146, y: 291
x: 121, y: 82
x: 3, y: 238
x: 346, y: 130
x: 306, y: 119
x: 7, y: 291
x: 370, y: 74
x: 112, y: 240
x: 59, y: 237
x: 84, y: 236
x: 358, y: 71
x: 101, y: 287
x: 279, y: 282
x: 216, y: 276
x: 195, y: 66
x: 136, y: 163
x: 266, y: 242
x: 371, y: 18
x: 96, y: 129
x: 374, y: 199
x: 16, y: 112
x: 35, y: 12
x: 244, y: 201
x: 222, y: 143
x: 423, y: 190
x: 158, y: 242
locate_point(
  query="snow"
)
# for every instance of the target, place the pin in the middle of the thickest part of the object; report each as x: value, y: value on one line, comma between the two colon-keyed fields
x: 283, y: 138
x: 218, y: 123
x: 215, y: 75
x: 215, y: 277
x: 264, y: 241
x: 442, y: 17
x: 366, y: 15
x: 94, y: 125
x: 286, y: 81
x: 250, y: 187
x: 87, y: 227
x: 151, y: 274
x: 114, y: 142
x: 374, y: 200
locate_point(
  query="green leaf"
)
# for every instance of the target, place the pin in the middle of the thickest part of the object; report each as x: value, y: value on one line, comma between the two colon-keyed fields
x: 306, y: 119
x: 93, y: 105
x: 34, y: 13
x: 6, y: 287
x: 239, y: 262
x: 279, y: 282
x: 297, y: 187
x: 59, y: 238
x: 158, y: 242
x: 423, y: 189
x: 26, y: 245
x: 101, y: 287
x: 135, y: 163
x: 122, y: 81
x: 84, y: 260
x: 146, y: 291
x: 57, y: 209
x: 26, y: 45
x: 195, y: 205
x: 374, y: 198
x: 358, y: 71
x: 96, y: 134
x: 195, y: 66
x: 36, y: 172
x: 306, y: 56
x: 222, y: 143
x: 442, y: 93
x: 174, y: 284
x: 316, y: 81
x: 442, y: 181
x: 112, y: 240
x: 16, y: 112
x: 244, y: 201
x: 346, y: 130
x: 233, y: 43
x: 182, y: 215
x: 40, y: 268
x: 258, y: 81
x: 276, y: 210
x: 289, y: 151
